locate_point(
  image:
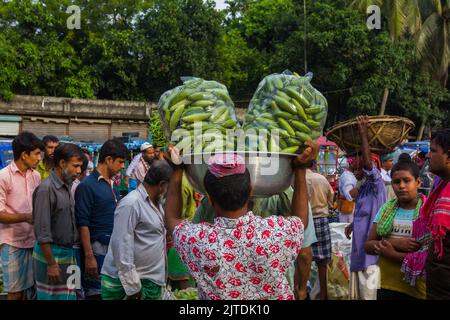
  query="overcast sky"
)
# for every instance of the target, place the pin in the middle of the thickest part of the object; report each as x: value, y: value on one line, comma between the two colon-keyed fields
x: 220, y: 4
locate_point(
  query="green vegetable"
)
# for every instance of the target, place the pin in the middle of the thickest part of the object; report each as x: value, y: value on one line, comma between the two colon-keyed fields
x: 303, y: 136
x: 217, y: 113
x: 200, y: 96
x: 290, y: 149
x: 193, y: 110
x: 285, y: 104
x: 196, y: 117
x: 182, y: 103
x: 285, y: 125
x: 314, y: 110
x: 284, y: 115
x: 176, y: 117
x: 312, y: 124
x: 300, y: 126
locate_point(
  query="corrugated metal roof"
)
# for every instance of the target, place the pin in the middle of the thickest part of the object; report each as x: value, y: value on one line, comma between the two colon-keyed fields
x: 10, y: 118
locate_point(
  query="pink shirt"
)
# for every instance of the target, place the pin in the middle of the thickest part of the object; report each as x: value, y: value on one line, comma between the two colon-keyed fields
x: 245, y: 258
x: 16, y: 193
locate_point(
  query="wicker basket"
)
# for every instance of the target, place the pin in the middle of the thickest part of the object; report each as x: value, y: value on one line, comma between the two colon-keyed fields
x: 385, y: 132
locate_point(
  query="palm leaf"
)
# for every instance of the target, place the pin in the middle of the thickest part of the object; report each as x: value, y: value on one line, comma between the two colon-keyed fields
x: 445, y: 55
x: 362, y: 5
x: 437, y: 6
x: 395, y: 12
x: 413, y: 16
x: 432, y: 45
x: 427, y: 7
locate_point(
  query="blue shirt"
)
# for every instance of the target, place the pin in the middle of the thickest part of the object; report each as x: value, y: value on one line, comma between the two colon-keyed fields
x: 402, y: 224
x: 95, y: 202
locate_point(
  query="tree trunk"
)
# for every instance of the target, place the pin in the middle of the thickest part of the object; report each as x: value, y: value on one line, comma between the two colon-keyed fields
x: 384, y: 101
x: 421, y: 130
x: 444, y: 79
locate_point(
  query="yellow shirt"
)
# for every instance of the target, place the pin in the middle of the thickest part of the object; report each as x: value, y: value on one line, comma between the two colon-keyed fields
x: 189, y: 202
x: 392, y: 279
x: 391, y: 276
x: 42, y: 171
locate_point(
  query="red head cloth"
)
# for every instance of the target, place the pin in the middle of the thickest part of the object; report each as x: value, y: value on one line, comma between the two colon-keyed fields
x: 222, y: 165
x: 356, y: 161
x: 351, y: 160
x: 376, y: 158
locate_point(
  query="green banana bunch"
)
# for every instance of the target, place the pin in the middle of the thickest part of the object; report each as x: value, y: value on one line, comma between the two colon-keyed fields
x: 156, y: 130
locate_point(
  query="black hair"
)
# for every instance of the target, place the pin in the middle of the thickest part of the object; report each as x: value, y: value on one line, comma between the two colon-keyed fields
x: 85, y: 162
x: 113, y: 148
x: 25, y: 142
x: 406, y: 164
x: 230, y: 192
x: 442, y: 138
x: 159, y: 171
x: 66, y: 151
x: 49, y: 138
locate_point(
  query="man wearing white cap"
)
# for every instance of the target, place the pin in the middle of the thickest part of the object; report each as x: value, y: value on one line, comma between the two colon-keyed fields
x: 148, y: 155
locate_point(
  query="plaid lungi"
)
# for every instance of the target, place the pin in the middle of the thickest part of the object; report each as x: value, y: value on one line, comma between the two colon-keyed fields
x: 17, y: 265
x: 322, y: 248
x: 65, y: 258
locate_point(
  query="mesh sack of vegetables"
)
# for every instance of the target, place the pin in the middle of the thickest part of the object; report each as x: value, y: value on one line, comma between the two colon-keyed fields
x: 201, y: 106
x: 290, y: 104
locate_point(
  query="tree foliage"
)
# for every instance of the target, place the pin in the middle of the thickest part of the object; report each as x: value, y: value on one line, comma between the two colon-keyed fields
x: 136, y: 50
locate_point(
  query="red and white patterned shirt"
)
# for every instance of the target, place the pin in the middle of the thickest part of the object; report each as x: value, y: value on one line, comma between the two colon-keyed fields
x: 242, y: 259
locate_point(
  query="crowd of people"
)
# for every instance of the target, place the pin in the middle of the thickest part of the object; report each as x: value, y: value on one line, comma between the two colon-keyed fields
x: 56, y: 214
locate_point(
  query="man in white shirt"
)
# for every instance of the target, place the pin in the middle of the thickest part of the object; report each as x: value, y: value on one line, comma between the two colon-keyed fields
x: 387, y: 162
x: 135, y: 265
x: 133, y: 164
x: 347, y: 192
x: 129, y: 174
x: 148, y: 156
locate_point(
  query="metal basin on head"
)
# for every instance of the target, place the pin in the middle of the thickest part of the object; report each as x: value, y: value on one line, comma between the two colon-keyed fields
x: 271, y: 173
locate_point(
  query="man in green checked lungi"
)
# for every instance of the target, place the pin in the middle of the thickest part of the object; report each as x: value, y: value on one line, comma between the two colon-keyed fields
x: 55, y: 228
x: 136, y: 263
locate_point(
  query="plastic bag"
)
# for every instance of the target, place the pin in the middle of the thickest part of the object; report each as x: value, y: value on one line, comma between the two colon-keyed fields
x: 290, y: 104
x: 338, y: 277
x: 338, y: 270
x: 168, y: 294
x: 200, y: 105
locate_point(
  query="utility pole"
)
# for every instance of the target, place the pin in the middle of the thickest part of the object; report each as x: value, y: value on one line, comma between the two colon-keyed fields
x: 304, y: 39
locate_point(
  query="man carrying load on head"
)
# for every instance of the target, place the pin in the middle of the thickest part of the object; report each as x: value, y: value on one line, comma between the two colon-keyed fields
x: 240, y: 256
